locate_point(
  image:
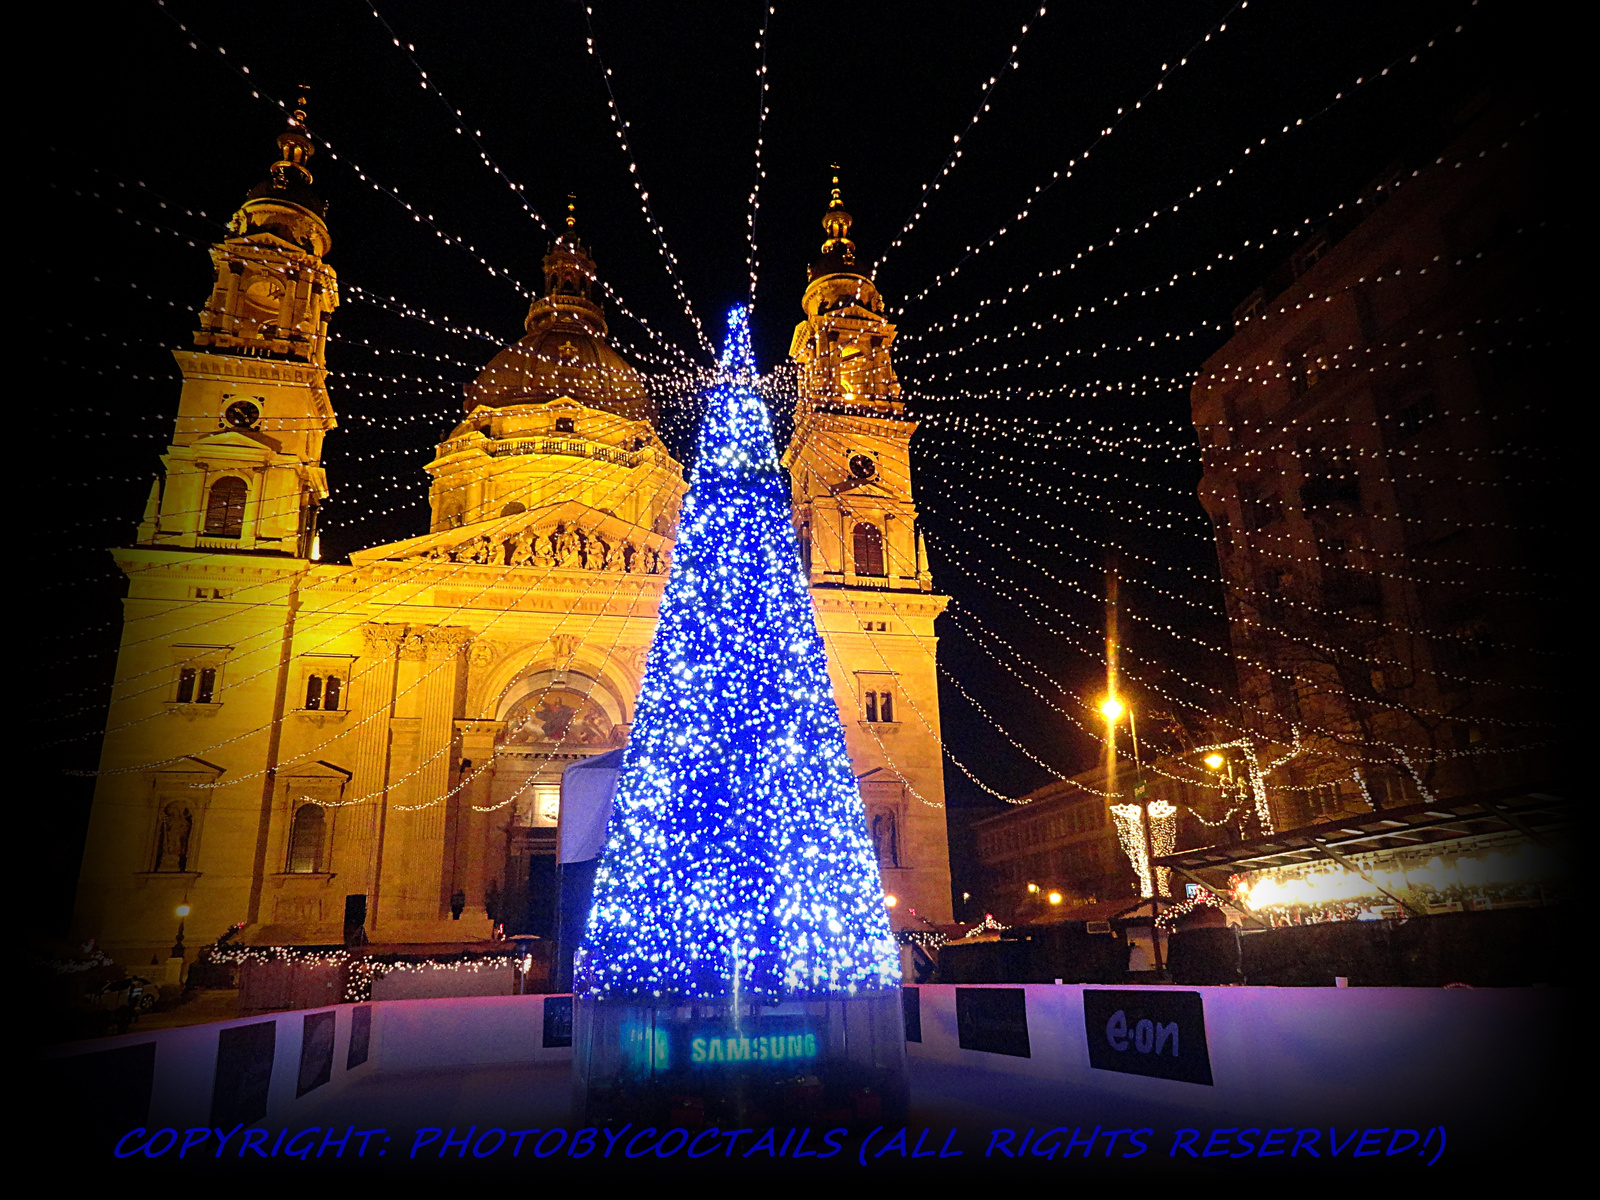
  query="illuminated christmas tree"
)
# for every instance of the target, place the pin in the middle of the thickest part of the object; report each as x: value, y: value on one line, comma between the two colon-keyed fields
x: 737, y: 863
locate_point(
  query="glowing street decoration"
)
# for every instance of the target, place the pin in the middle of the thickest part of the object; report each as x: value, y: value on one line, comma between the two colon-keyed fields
x: 1476, y: 877
x: 737, y: 862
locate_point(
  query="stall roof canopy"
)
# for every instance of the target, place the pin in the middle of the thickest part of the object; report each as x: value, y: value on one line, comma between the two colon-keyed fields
x: 1539, y: 816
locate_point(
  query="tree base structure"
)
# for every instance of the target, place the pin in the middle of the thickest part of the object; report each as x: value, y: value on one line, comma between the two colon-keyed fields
x: 825, y: 1062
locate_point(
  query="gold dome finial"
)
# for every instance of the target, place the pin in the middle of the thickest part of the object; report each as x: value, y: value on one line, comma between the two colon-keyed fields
x: 297, y: 119
x: 572, y: 211
x: 837, y: 222
x: 295, y: 147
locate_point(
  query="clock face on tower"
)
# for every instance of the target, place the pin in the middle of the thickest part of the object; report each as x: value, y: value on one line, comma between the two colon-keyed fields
x: 862, y: 466
x: 242, y: 414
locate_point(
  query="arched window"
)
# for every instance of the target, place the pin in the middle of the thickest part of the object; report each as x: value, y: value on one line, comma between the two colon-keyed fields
x: 869, y: 549
x: 513, y: 508
x: 305, y: 840
x: 225, y: 507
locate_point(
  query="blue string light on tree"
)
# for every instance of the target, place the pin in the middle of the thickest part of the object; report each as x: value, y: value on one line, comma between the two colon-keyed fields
x: 737, y: 861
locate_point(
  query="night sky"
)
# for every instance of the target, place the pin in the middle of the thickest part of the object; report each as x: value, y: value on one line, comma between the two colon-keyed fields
x: 149, y: 144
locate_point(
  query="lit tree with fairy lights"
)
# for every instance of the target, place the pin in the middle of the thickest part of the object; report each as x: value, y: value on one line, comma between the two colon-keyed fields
x: 737, y: 861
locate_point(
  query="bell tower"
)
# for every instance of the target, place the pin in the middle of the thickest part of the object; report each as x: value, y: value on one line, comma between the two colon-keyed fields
x: 243, y: 471
x: 849, y: 464
x: 850, y: 458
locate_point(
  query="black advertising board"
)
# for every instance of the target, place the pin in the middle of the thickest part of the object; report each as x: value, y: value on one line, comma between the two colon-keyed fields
x: 244, y: 1073
x: 360, y: 1036
x: 557, y: 1021
x: 316, y: 1051
x: 911, y: 1006
x: 994, y: 1020
x: 1161, y: 1033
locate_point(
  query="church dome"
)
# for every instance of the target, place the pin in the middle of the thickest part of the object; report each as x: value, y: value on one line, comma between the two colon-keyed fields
x: 564, y: 352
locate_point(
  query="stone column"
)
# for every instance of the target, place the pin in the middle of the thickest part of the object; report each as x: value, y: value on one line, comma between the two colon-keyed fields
x: 420, y: 769
x: 476, y: 858
x: 372, y: 704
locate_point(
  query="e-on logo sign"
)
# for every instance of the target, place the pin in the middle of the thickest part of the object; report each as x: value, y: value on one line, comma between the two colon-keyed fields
x: 1148, y: 1037
x: 1158, y: 1032
x: 773, y: 1048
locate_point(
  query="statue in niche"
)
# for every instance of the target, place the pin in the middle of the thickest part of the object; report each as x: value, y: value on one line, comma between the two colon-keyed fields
x: 885, y: 839
x: 172, y: 837
x: 522, y: 549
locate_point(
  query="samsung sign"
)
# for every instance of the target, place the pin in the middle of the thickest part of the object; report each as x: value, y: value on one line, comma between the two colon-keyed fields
x: 711, y: 1049
x: 1157, y: 1032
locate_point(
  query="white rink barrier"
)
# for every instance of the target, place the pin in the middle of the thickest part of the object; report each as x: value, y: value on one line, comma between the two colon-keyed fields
x: 984, y: 1054
x: 1406, y: 1055
x: 262, y: 1069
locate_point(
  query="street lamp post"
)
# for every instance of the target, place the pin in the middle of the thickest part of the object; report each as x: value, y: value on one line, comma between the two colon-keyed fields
x: 1113, y: 708
x: 1219, y: 762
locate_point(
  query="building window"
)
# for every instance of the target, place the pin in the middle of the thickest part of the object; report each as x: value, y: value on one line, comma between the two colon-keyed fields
x: 1261, y: 506
x: 565, y: 425
x: 1313, y: 366
x: 225, y: 508
x: 305, y: 840
x: 325, y: 692
x: 1411, y: 419
x: 196, y: 685
x: 1330, y: 479
x: 878, y: 705
x: 868, y: 549
x: 1224, y: 530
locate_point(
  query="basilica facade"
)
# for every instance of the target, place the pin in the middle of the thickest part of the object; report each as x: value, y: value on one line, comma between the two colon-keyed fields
x: 324, y: 752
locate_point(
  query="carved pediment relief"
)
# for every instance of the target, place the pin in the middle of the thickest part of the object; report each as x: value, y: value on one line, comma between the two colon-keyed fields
x: 565, y: 537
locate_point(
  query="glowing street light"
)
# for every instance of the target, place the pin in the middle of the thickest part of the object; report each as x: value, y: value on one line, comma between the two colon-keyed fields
x: 1215, y: 761
x: 1054, y: 897
x: 891, y: 900
x: 1111, y: 708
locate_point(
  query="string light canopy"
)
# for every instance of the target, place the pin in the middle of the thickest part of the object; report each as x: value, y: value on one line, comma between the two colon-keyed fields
x: 737, y: 860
